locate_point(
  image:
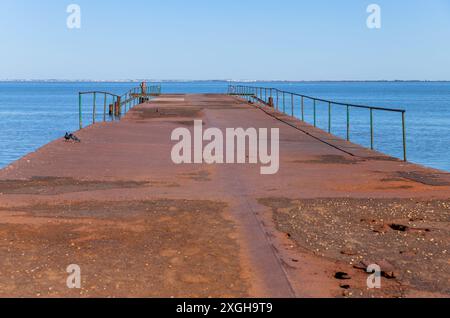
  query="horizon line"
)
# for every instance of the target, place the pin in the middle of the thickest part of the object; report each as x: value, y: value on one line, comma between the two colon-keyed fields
x: 50, y: 80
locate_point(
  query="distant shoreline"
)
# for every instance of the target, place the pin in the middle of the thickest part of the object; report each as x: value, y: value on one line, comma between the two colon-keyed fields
x: 217, y: 81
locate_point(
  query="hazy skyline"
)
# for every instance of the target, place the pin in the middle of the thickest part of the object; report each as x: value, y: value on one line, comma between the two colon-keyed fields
x: 251, y: 40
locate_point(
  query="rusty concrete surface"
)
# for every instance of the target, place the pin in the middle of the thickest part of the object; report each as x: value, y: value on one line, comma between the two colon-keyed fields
x: 140, y: 226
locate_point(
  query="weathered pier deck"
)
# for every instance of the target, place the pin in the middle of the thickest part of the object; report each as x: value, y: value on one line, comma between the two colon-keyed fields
x: 140, y: 226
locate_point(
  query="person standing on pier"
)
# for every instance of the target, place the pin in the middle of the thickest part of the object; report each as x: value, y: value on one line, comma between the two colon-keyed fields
x: 144, y: 88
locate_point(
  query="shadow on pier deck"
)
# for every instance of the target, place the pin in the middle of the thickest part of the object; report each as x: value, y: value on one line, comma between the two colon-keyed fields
x: 140, y: 226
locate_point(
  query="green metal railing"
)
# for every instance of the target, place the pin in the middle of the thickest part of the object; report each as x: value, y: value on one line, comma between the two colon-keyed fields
x: 285, y: 102
x: 118, y: 104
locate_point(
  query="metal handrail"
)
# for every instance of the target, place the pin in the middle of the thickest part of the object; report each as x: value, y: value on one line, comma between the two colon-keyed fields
x: 266, y: 95
x: 116, y: 109
x: 98, y: 92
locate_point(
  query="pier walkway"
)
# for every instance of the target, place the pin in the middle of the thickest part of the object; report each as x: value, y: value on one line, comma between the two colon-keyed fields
x: 140, y: 226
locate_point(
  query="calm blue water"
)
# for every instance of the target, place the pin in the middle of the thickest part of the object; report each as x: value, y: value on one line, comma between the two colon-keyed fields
x: 32, y: 114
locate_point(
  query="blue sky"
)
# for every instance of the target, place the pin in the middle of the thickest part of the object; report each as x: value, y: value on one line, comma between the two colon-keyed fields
x: 225, y: 39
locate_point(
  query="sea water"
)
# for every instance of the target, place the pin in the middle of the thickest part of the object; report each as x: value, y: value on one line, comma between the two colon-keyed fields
x: 35, y: 113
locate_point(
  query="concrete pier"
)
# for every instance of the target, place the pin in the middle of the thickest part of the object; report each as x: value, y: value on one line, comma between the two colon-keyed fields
x: 140, y: 226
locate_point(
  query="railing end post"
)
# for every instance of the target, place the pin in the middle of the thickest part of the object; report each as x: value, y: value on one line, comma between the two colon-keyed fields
x: 80, y: 111
x: 405, y: 158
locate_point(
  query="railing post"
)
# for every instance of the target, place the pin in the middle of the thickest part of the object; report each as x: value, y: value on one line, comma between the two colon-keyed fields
x: 348, y: 123
x: 371, y: 128
x: 278, y: 97
x: 292, y: 104
x: 329, y: 117
x: 404, y: 137
x: 284, y: 102
x: 112, y: 107
x: 94, y: 110
x: 315, y: 121
x: 303, y: 108
x: 104, y: 108
x: 80, y: 110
